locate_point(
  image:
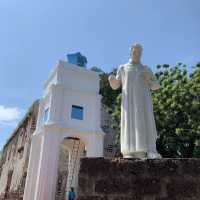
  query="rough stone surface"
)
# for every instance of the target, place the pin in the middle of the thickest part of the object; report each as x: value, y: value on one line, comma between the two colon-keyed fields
x: 15, y: 155
x: 128, y: 179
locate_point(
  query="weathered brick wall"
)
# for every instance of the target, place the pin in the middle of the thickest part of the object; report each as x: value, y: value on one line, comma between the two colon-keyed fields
x: 126, y: 179
x: 110, y: 148
x: 62, y: 173
x: 17, y: 194
x: 15, y: 156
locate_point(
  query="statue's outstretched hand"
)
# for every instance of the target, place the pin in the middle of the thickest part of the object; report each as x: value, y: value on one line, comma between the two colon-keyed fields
x: 111, y: 78
x: 114, y: 82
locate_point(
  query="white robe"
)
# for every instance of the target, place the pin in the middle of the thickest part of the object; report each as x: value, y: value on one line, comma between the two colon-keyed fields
x: 138, y: 130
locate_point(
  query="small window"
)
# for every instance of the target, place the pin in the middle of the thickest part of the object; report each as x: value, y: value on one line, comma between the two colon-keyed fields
x: 77, y: 112
x: 21, y: 151
x: 46, y: 115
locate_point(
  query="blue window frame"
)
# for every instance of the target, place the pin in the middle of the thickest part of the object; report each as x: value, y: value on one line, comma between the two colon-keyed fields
x: 46, y: 115
x: 77, y: 112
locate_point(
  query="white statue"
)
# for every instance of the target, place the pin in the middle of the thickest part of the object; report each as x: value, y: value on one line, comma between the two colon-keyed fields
x: 138, y: 130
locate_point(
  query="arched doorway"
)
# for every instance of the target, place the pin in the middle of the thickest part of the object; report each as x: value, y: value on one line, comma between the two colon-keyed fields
x: 71, y: 151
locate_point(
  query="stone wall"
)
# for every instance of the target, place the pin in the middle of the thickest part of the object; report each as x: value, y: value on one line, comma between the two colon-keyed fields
x: 110, y: 148
x: 15, y: 155
x: 126, y: 179
x: 62, y: 173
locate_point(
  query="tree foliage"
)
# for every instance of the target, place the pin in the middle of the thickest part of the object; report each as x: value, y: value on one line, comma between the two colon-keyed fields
x: 109, y: 96
x: 176, y: 108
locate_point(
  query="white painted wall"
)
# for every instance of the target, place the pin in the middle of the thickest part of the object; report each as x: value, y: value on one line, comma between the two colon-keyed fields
x: 72, y: 85
x: 67, y: 85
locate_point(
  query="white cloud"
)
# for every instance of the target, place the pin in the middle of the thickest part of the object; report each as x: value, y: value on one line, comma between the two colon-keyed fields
x: 9, y: 116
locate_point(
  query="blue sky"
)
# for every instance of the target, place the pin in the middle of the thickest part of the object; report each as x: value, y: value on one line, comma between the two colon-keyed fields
x: 34, y: 34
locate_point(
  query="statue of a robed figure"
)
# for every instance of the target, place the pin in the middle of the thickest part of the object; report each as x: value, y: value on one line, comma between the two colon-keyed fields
x: 138, y: 129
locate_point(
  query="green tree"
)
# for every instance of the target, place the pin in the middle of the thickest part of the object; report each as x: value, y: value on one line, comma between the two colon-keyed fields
x: 177, y: 110
x: 109, y: 96
x: 97, y: 69
x: 116, y: 118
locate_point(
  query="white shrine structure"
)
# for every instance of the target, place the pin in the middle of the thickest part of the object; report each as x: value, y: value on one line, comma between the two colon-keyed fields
x: 69, y: 113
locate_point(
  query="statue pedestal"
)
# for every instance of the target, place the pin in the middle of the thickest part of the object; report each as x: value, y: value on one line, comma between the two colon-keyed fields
x: 137, y: 154
x: 142, y: 155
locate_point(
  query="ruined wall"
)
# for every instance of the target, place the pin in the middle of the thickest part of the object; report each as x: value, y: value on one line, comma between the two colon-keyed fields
x: 110, y: 148
x: 62, y: 173
x: 15, y: 155
x: 126, y: 179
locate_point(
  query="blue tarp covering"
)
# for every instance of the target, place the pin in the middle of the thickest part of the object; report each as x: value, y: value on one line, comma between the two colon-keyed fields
x: 77, y: 59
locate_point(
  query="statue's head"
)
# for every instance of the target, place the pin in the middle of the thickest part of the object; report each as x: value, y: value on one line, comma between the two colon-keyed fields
x: 135, y: 53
